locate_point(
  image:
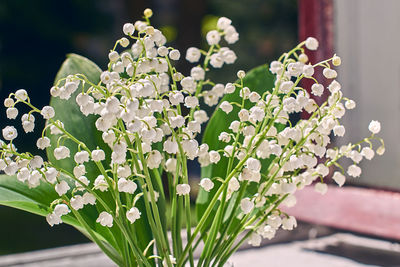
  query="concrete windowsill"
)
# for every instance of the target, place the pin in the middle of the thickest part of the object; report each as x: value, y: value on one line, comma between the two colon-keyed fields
x: 332, y: 250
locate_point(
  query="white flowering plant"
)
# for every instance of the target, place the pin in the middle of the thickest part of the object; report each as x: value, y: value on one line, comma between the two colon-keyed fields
x: 118, y: 143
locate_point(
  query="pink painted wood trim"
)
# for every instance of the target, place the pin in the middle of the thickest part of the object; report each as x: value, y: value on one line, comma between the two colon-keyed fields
x: 367, y: 211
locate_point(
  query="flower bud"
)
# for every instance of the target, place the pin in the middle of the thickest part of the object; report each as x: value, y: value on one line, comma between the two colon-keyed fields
x: 213, y: 37
x: 98, y: 155
x: 150, y: 30
x: 10, y: 133
x: 12, y: 113
x: 162, y: 51
x: 380, y: 151
x: 229, y: 88
x: 339, y: 178
x: 193, y: 54
x: 128, y: 28
x: 148, y: 13
x: 288, y: 223
x: 312, y: 43
x: 374, y: 127
x: 182, y: 189
x: 105, y: 219
x: 329, y: 73
x: 127, y: 186
x: 124, y: 42
x: 336, y: 61
x: 241, y: 74
x: 174, y: 54
x: 21, y: 94
x: 206, y: 184
x: 321, y: 188
x: 62, y: 188
x: 61, y: 209
x: 113, y: 56
x: 81, y: 157
x: 354, y: 171
x: 61, y: 152
x: 303, y: 58
x: 246, y: 205
x: 47, y: 112
x: 133, y: 214
x: 350, y: 104
x: 8, y: 102
x: 226, y: 107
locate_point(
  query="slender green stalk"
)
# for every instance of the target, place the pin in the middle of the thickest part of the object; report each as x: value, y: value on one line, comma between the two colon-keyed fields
x: 156, y: 229
x: 176, y: 235
x: 211, y: 242
x: 164, y: 243
x: 94, y: 237
x: 187, y: 209
x: 247, y: 235
x: 230, y: 220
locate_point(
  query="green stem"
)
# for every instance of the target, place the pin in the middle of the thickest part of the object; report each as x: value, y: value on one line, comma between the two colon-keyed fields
x: 230, y: 219
x: 93, y: 235
x: 157, y: 231
x: 163, y: 244
x: 247, y: 235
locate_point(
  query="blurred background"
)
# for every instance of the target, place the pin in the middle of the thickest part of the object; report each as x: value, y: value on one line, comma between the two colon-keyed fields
x: 36, y: 35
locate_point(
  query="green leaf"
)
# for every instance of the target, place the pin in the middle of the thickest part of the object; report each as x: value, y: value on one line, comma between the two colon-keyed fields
x: 259, y: 80
x: 83, y: 128
x: 80, y: 126
x: 67, y: 111
x: 16, y: 194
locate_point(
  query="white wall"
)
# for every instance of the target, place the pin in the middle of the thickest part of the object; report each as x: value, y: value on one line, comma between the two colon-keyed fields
x: 368, y: 41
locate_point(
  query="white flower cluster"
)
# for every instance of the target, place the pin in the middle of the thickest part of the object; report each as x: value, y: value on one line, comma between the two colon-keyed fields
x: 137, y: 106
x: 268, y: 133
x: 149, y: 115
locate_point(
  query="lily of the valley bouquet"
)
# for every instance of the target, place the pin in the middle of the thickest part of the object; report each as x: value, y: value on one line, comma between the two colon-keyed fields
x: 118, y: 143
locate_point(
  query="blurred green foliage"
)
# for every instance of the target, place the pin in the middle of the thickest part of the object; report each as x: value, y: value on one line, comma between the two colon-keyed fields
x: 208, y: 23
x: 266, y: 29
x: 170, y: 32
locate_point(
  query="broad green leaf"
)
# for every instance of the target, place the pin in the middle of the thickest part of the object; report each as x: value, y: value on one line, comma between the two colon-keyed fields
x: 83, y: 128
x: 67, y: 111
x: 16, y: 194
x: 259, y: 80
